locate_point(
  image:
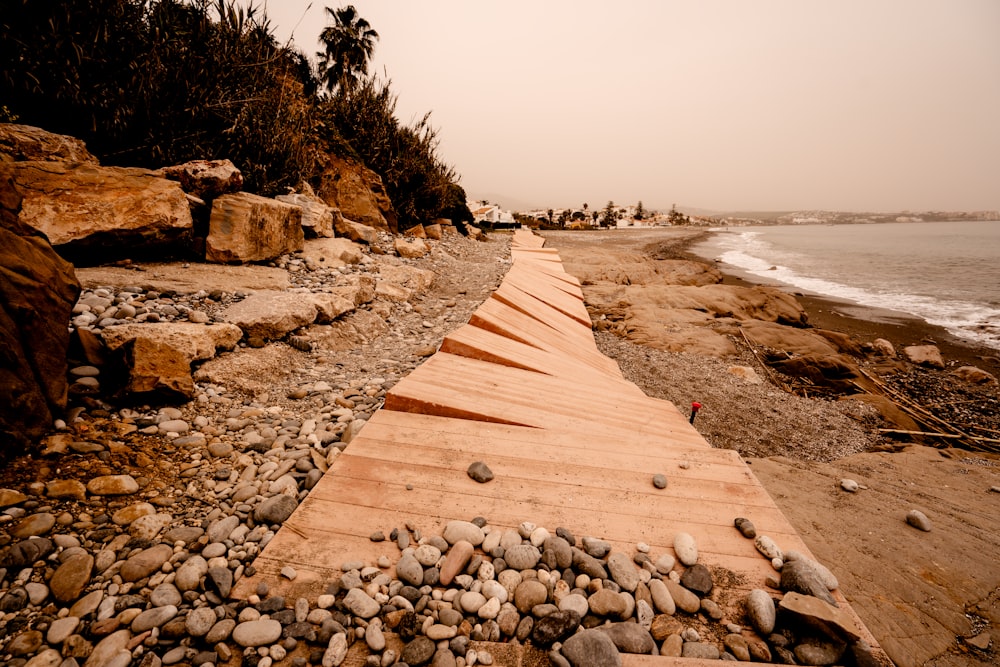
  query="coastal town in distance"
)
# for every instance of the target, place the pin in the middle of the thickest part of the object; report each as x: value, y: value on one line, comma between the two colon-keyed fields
x: 493, y: 216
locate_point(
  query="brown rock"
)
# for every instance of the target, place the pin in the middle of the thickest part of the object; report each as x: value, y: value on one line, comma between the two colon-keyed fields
x: 94, y: 213
x: 455, y: 561
x: 271, y: 315
x: 924, y: 355
x: 249, y: 228
x: 416, y: 232
x: 819, y: 615
x: 665, y: 625
x: 153, y: 368
x: 683, y: 598
x: 411, y: 248
x: 195, y: 342
x: 22, y: 143
x: 433, y: 231
x: 37, y: 292
x: 358, y: 192
x: 333, y: 252
x: 72, y: 577
x: 974, y: 375
x: 205, y: 179
x: 355, y: 231
x: 834, y: 369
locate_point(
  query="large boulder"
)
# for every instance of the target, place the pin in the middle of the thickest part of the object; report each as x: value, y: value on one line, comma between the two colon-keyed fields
x: 205, y: 179
x: 249, y: 228
x: 92, y: 214
x: 37, y: 292
x: 19, y: 143
x: 358, y: 192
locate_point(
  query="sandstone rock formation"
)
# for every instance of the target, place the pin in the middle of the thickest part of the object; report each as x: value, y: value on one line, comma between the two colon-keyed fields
x: 37, y: 293
x: 91, y: 213
x: 249, y: 228
x: 20, y: 143
x: 358, y: 192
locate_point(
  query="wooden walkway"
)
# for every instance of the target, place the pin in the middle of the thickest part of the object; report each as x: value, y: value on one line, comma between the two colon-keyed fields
x: 524, y: 388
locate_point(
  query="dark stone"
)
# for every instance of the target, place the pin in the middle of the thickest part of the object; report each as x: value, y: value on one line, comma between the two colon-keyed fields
x: 285, y: 616
x: 799, y: 576
x: 271, y: 604
x: 221, y: 579
x: 591, y: 648
x: 554, y: 627
x: 38, y: 290
x: 587, y: 564
x: 629, y: 637
x: 567, y: 535
x: 418, y: 652
x: 28, y: 551
x: 746, y: 527
x: 409, y: 626
x: 124, y: 602
x: 14, y: 600
x: 697, y: 578
x: 480, y: 472
x: 275, y: 510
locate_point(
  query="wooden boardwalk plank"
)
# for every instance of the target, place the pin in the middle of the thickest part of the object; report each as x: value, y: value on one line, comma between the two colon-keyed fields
x: 524, y: 389
x: 477, y: 343
x: 546, y: 444
x: 551, y: 306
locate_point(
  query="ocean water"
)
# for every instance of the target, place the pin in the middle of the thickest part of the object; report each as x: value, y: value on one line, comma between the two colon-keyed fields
x: 947, y: 273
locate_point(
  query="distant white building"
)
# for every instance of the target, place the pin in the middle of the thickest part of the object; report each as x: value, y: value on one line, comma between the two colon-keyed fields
x: 484, y: 213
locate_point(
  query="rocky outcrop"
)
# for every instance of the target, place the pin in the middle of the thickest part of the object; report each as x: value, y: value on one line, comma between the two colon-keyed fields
x: 205, y: 179
x: 92, y: 214
x: 358, y: 192
x: 20, y: 143
x: 249, y: 228
x: 37, y: 293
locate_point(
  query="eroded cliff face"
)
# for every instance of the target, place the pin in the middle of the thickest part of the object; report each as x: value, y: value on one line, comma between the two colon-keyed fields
x: 358, y: 192
x: 37, y: 293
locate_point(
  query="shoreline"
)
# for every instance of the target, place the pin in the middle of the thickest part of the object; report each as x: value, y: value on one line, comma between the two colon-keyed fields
x: 865, y: 323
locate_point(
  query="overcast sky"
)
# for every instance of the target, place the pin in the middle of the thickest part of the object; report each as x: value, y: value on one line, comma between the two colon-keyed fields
x: 877, y: 105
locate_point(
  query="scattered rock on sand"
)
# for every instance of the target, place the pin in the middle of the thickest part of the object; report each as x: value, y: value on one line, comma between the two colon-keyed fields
x: 918, y: 520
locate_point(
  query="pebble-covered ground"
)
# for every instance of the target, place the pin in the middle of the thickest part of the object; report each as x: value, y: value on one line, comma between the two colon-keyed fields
x: 120, y: 544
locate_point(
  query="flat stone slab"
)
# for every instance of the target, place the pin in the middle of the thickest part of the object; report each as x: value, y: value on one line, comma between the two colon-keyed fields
x: 187, y: 278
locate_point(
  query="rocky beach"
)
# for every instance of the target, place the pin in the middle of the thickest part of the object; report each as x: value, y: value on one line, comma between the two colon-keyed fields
x: 123, y: 537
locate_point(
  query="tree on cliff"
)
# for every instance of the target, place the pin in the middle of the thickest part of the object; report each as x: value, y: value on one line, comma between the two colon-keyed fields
x: 348, y: 46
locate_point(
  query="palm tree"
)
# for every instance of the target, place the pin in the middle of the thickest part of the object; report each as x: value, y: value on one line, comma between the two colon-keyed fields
x: 349, y: 43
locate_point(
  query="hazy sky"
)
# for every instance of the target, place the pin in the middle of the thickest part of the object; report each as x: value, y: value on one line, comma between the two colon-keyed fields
x: 729, y: 105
